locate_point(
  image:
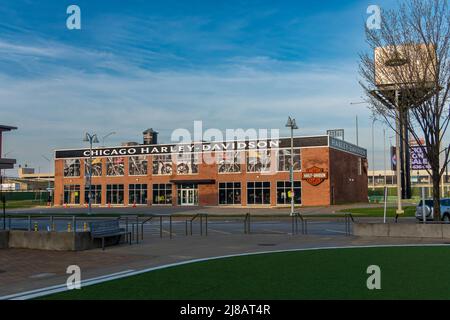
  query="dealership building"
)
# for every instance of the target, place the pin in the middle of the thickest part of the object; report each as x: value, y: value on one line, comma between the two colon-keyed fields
x: 244, y: 173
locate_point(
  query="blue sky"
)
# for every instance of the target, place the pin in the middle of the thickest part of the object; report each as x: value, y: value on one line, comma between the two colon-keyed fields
x: 163, y: 64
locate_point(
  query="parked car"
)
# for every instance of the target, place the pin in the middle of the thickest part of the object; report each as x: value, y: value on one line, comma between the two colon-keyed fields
x: 429, y: 212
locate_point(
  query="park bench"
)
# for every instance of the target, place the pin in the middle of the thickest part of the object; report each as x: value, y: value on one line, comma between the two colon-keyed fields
x: 108, y: 229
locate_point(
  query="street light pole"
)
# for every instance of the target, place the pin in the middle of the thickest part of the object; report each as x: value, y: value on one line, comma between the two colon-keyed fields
x: 293, y: 125
x: 91, y: 138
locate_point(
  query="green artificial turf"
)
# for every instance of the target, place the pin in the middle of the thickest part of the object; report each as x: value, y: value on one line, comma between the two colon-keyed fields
x: 406, y: 273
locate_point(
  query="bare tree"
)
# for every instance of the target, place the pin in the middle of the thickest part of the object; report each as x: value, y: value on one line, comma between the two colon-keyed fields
x: 407, y: 80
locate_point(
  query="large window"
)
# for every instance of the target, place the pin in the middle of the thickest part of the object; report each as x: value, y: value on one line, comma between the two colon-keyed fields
x: 137, y: 166
x: 162, y: 164
x: 284, y: 192
x: 72, y: 194
x: 114, y: 194
x: 72, y: 168
x: 96, y: 194
x: 187, y: 163
x: 284, y: 160
x: 96, y: 167
x: 115, y: 166
x: 162, y: 194
x: 137, y: 193
x: 229, y: 193
x: 258, y: 193
x: 258, y: 160
x: 229, y: 162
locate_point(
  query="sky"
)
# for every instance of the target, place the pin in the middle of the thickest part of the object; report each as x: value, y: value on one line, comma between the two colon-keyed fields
x: 139, y: 64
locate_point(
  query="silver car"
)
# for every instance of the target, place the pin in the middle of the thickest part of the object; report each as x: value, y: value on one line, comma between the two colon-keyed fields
x: 429, y: 212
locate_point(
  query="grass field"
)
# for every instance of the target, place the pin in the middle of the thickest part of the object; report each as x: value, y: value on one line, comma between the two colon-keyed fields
x: 406, y: 273
x: 378, y: 212
x: 16, y: 204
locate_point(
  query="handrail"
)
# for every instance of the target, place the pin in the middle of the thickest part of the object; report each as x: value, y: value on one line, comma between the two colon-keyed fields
x: 295, y: 217
x: 194, y: 217
x: 247, y: 223
x: 348, y: 220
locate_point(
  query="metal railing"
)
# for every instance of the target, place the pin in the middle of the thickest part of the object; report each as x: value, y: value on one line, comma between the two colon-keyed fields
x: 190, y: 221
x: 295, y: 217
x: 348, y: 221
x: 247, y: 221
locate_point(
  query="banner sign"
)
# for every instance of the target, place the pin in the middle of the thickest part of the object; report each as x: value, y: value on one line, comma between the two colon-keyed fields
x: 192, y: 148
x: 418, y: 158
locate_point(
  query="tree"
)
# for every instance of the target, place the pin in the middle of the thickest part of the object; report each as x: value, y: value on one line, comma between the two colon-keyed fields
x: 407, y: 80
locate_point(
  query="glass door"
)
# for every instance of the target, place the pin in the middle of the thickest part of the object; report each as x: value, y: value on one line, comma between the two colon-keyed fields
x: 188, y: 196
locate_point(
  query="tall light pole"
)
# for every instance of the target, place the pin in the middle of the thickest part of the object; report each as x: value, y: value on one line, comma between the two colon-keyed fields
x: 91, y: 138
x: 293, y: 125
x: 106, y: 136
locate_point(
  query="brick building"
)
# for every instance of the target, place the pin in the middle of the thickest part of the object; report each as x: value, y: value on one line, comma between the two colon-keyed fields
x: 238, y: 173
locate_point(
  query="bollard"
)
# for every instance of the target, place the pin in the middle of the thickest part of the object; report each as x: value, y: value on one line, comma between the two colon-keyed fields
x: 85, y: 226
x: 69, y: 227
x: 36, y: 228
x: 53, y: 227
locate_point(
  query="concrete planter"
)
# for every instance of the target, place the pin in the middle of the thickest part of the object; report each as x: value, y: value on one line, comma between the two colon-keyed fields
x: 402, y: 230
x: 59, y: 241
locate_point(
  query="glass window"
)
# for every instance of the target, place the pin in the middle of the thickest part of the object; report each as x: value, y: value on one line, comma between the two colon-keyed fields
x: 258, y: 193
x: 284, y: 192
x: 229, y: 162
x: 96, y: 167
x: 114, y: 194
x: 162, y: 164
x: 137, y: 166
x: 72, y: 194
x: 162, y: 194
x: 187, y: 163
x: 137, y: 193
x: 229, y: 193
x: 72, y: 168
x: 115, y: 166
x: 284, y: 160
x: 96, y: 194
x: 258, y: 161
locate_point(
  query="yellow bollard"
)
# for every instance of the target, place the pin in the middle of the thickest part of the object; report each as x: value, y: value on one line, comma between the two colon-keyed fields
x: 53, y: 227
x: 85, y: 226
x: 69, y: 227
x: 36, y: 227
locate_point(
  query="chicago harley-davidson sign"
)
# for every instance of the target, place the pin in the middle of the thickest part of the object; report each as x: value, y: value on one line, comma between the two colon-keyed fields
x: 314, y: 176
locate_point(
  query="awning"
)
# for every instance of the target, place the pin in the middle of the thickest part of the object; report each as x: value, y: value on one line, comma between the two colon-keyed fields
x: 199, y: 181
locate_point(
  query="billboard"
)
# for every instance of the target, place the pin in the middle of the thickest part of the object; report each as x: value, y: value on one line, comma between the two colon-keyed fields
x: 418, y: 159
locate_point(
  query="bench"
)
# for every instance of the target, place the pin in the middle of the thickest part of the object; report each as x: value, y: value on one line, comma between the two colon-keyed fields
x: 107, y: 229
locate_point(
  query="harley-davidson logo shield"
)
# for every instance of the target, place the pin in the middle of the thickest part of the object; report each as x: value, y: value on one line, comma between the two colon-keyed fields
x: 315, y: 176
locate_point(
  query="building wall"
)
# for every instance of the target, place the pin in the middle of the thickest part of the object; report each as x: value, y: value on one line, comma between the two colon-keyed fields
x: 316, y: 195
x: 348, y: 181
x: 320, y: 195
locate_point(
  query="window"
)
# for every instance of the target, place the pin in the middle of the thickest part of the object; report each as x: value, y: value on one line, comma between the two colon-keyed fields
x: 229, y: 162
x: 162, y: 164
x: 114, y: 193
x: 96, y: 167
x: 229, y: 193
x: 137, y: 166
x: 72, y: 194
x: 284, y: 192
x: 115, y: 166
x: 258, y: 161
x: 258, y: 193
x: 96, y: 194
x: 284, y: 160
x: 72, y: 168
x: 187, y: 163
x: 162, y: 194
x: 137, y: 193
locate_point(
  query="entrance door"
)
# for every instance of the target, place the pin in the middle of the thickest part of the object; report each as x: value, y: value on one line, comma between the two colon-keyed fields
x: 188, y: 197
